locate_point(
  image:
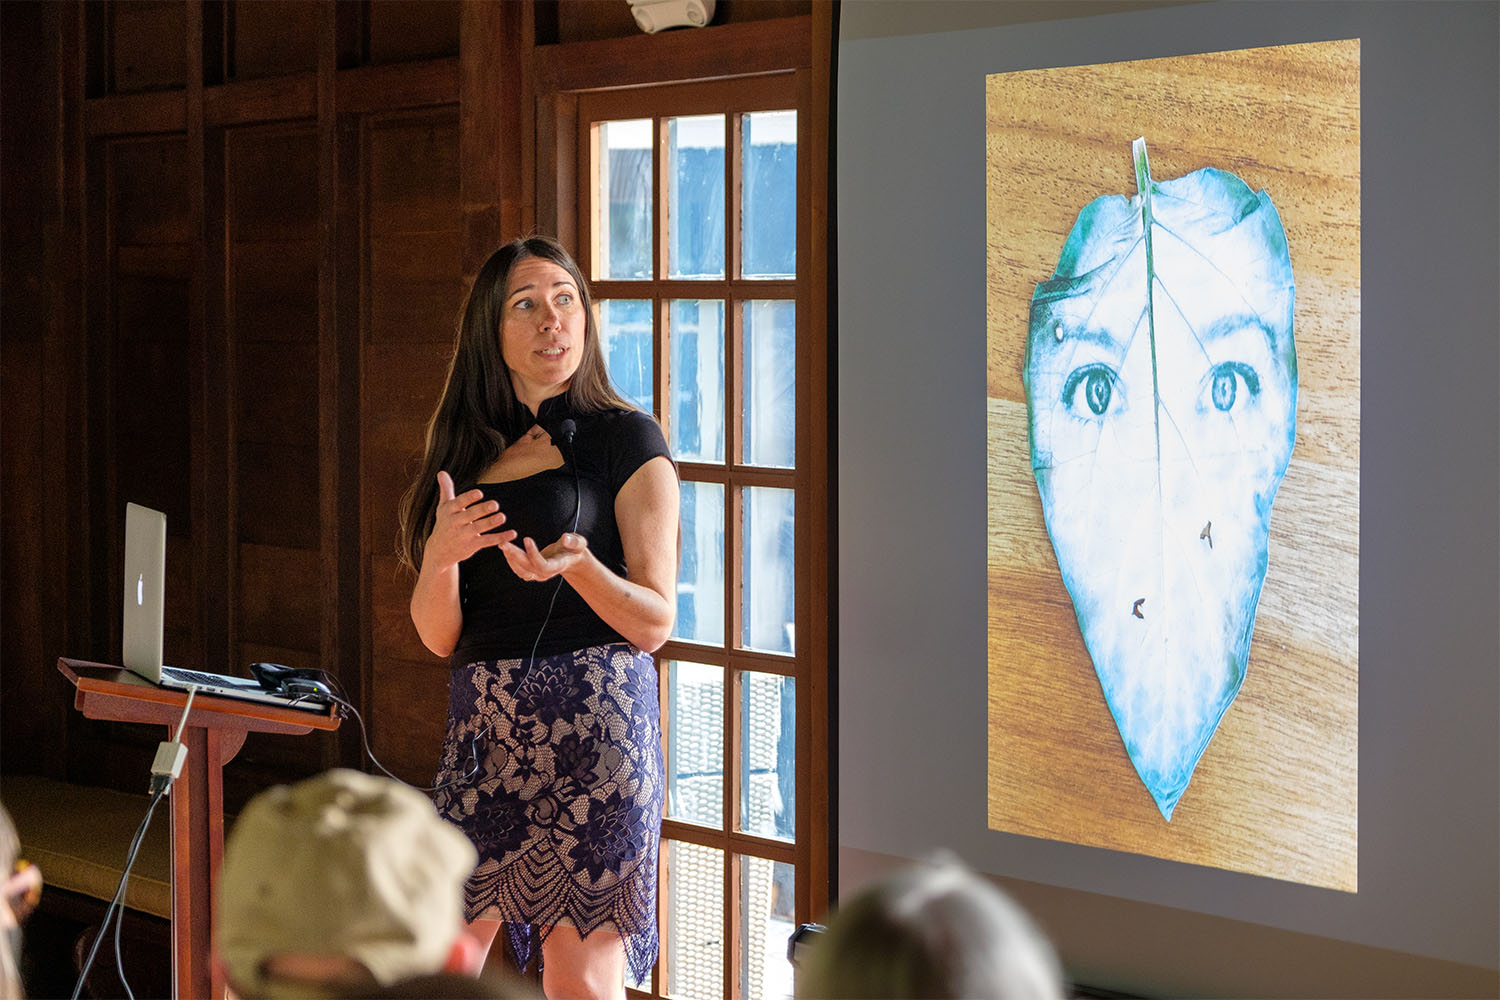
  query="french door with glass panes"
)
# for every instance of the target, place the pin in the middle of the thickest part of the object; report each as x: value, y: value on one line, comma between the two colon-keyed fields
x: 688, y: 219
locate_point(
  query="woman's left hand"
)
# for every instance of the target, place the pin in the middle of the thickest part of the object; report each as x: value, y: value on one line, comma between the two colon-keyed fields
x: 533, y: 564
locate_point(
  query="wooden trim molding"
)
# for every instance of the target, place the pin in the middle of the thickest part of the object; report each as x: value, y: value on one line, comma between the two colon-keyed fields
x: 820, y: 446
x: 131, y: 114
x: 731, y: 70
x: 371, y: 89
x: 277, y: 98
x: 696, y: 55
x: 361, y: 90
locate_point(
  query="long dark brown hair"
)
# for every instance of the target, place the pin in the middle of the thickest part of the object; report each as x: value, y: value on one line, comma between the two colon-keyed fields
x: 478, y: 414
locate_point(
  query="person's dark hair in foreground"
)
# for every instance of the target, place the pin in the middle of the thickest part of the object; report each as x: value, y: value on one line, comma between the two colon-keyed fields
x: 933, y: 930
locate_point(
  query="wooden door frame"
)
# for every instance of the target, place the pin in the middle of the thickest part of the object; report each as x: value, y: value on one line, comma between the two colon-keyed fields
x: 803, y: 46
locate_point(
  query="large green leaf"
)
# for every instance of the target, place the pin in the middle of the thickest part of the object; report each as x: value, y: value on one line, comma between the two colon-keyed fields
x: 1161, y: 384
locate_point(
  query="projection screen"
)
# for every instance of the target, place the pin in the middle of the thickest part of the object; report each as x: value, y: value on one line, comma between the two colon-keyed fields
x: 1368, y: 750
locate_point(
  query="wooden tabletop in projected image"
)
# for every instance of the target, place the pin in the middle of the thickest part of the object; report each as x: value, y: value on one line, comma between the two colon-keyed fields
x: 1275, y: 793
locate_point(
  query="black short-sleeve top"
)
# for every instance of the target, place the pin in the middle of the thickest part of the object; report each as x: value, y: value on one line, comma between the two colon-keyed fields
x: 503, y: 614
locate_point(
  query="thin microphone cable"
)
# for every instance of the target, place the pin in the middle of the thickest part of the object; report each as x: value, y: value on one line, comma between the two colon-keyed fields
x: 566, y: 431
x: 364, y: 737
x: 115, y: 903
x: 119, y: 952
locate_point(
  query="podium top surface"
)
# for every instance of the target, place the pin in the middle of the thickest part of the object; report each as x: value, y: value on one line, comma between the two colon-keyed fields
x: 109, y: 691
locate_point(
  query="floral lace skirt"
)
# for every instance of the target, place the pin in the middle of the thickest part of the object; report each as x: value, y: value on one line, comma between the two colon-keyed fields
x: 556, y: 774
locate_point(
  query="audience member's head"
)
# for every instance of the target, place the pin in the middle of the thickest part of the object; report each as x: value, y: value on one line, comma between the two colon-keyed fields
x: 932, y: 930
x: 23, y: 887
x: 342, y: 881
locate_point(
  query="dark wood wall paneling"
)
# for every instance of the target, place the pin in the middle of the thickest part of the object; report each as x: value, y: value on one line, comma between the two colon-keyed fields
x: 278, y: 208
x: 34, y: 551
x: 146, y: 406
x: 410, y: 30
x: 271, y: 38
x: 202, y: 316
x: 415, y: 280
x: 146, y: 42
x: 271, y: 222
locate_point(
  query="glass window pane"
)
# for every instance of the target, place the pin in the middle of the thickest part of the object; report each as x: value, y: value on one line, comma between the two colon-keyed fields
x: 625, y: 338
x: 770, y: 372
x: 767, y: 919
x: 695, y: 332
x: 768, y: 757
x: 767, y: 611
x: 700, y: 572
x: 695, y: 921
x: 625, y: 199
x: 695, y: 178
x: 695, y: 751
x: 768, y: 195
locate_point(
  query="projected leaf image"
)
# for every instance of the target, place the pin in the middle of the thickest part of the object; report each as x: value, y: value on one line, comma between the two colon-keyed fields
x: 1161, y: 385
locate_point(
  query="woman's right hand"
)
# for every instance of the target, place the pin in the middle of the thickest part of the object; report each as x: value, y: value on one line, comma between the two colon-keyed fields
x: 458, y: 530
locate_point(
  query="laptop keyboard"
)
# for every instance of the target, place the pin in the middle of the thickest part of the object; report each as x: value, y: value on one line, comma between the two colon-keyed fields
x: 183, y: 676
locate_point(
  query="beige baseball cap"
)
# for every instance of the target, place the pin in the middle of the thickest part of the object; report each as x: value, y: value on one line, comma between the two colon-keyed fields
x: 344, y: 863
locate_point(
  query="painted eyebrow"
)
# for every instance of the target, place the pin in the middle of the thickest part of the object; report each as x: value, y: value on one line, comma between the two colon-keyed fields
x: 1234, y: 324
x: 1089, y: 335
x: 1221, y: 327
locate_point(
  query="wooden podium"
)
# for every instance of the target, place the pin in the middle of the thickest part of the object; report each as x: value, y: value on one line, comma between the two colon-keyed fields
x: 214, y: 732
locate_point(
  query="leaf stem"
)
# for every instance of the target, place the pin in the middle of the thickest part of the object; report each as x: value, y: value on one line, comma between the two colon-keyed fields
x: 1144, y: 187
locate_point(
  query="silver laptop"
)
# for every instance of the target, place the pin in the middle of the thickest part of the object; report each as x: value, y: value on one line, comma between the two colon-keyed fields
x: 145, y: 585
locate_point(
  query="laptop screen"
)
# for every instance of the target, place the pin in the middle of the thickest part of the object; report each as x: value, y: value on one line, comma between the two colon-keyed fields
x: 145, y: 572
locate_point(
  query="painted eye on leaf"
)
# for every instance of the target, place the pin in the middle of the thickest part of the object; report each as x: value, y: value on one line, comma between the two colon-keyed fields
x: 1091, y: 387
x: 1223, y: 384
